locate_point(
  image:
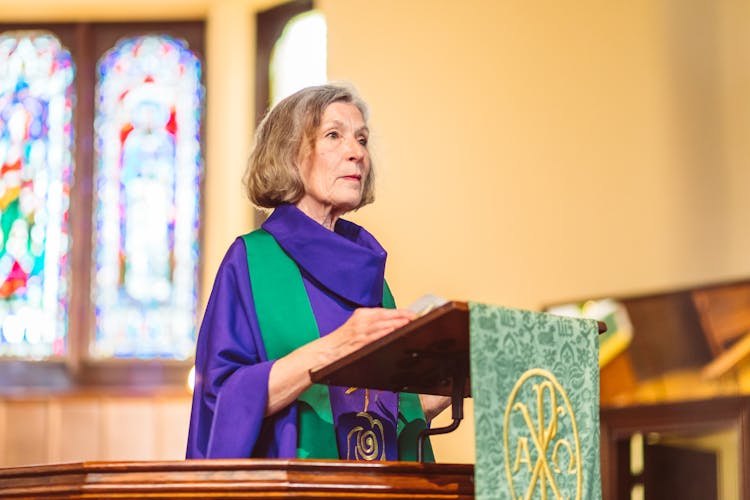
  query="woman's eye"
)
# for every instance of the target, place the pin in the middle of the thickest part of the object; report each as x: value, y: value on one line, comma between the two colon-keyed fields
x: 363, y: 141
x: 332, y: 135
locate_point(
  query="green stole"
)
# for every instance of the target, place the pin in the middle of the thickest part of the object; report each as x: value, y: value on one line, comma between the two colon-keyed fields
x: 287, y: 322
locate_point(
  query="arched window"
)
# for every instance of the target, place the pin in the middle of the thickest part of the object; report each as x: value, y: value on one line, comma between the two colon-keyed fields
x: 100, y: 145
x: 147, y: 180
x: 298, y: 58
x: 36, y: 134
x: 291, y: 52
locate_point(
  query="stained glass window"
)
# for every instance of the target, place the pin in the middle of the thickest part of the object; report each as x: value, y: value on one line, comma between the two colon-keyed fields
x: 36, y: 133
x: 147, y: 181
x: 298, y: 59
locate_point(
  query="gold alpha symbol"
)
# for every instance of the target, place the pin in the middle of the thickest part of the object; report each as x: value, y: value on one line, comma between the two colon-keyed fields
x: 546, y: 437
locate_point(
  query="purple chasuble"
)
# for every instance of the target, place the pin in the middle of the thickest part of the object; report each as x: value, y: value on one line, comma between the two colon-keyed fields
x: 341, y: 270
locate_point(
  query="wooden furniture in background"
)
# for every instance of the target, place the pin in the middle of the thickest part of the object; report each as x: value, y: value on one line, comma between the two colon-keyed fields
x: 667, y: 334
x: 690, y: 418
x: 724, y: 313
x: 228, y: 479
x: 677, y: 331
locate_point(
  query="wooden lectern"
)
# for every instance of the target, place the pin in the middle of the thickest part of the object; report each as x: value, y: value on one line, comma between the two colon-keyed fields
x: 430, y: 355
x: 427, y: 356
x: 424, y: 356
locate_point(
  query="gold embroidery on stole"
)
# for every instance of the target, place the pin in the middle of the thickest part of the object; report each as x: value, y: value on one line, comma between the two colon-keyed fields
x: 369, y: 443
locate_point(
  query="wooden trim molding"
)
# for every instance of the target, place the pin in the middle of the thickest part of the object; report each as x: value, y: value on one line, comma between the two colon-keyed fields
x: 241, y: 479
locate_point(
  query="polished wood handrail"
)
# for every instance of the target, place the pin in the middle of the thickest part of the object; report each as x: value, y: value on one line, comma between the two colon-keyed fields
x: 250, y: 478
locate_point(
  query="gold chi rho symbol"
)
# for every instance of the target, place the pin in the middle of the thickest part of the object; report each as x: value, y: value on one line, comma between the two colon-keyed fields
x: 556, y: 466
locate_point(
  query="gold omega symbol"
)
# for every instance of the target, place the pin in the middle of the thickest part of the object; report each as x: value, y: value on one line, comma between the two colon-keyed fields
x: 544, y: 437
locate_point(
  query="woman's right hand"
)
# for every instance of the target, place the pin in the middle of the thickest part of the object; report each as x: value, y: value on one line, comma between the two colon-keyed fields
x: 364, y: 326
x: 290, y: 375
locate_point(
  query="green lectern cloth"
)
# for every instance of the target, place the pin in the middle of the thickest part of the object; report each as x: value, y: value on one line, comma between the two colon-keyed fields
x: 535, y: 385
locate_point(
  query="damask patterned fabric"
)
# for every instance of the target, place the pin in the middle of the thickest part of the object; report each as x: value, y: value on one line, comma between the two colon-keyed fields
x: 535, y: 385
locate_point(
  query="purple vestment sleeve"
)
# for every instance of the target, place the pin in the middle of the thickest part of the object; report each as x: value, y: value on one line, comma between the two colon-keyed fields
x: 231, y: 383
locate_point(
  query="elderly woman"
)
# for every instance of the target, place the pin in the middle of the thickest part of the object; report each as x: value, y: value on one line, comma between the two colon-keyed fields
x: 303, y: 291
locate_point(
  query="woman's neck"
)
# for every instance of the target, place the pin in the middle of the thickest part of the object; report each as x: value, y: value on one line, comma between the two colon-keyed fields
x: 325, y: 215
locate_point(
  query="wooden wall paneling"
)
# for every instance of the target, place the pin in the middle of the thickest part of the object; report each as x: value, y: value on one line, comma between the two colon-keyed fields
x: 3, y: 434
x: 172, y: 421
x: 80, y: 430
x: 128, y: 428
x: 27, y: 432
x: 54, y: 429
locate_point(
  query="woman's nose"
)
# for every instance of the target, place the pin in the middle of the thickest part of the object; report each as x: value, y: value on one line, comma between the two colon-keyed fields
x: 356, y: 151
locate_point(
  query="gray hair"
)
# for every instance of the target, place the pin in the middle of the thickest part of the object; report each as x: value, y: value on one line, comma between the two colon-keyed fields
x: 286, y: 134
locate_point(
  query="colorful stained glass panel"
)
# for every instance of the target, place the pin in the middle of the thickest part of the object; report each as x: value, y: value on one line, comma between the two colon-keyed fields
x: 36, y: 134
x: 149, y: 101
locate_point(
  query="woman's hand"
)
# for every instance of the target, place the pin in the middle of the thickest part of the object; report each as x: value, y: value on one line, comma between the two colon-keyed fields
x: 363, y: 327
x: 290, y: 375
x: 433, y: 405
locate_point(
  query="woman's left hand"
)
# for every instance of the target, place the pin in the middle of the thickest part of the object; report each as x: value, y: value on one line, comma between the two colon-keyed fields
x: 433, y: 405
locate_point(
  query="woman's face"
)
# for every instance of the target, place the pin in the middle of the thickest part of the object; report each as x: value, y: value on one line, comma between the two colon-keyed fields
x: 334, y: 172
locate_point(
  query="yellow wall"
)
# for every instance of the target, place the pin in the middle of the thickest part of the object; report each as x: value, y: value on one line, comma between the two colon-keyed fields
x: 532, y: 152
x: 528, y: 152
